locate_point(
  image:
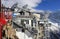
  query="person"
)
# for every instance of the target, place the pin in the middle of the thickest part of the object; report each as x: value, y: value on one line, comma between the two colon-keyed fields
x: 2, y: 23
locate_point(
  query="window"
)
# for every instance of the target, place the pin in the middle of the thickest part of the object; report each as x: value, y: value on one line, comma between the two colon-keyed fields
x: 22, y: 13
x: 39, y: 33
x: 31, y: 22
x: 27, y: 21
x: 22, y: 22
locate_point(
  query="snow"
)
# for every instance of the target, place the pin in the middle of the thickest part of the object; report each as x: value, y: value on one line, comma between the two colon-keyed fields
x: 22, y: 35
x: 54, y: 26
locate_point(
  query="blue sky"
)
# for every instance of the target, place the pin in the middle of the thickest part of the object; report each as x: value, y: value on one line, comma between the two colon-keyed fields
x: 49, y: 5
x: 52, y: 5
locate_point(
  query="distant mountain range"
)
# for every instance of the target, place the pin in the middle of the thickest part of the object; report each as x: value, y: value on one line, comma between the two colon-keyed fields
x: 55, y: 16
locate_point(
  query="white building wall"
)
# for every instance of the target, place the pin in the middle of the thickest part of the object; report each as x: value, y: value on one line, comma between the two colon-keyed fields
x: 30, y: 23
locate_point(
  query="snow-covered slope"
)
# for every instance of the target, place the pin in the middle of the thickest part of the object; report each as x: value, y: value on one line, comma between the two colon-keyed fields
x: 22, y: 35
x: 55, y: 16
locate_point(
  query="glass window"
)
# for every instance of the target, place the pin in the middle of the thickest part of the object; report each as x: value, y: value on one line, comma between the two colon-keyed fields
x: 39, y: 33
x: 31, y: 22
x: 27, y: 21
x: 22, y: 13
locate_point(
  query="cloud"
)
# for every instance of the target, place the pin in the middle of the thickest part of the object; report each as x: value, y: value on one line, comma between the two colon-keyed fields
x: 31, y: 3
x: 34, y: 10
x: 7, y: 3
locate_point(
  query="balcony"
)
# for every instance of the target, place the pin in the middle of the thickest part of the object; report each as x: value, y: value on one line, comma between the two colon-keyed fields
x: 22, y: 16
x: 30, y: 17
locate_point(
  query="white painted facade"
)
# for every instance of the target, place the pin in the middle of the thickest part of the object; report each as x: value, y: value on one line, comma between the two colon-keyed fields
x: 30, y: 22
